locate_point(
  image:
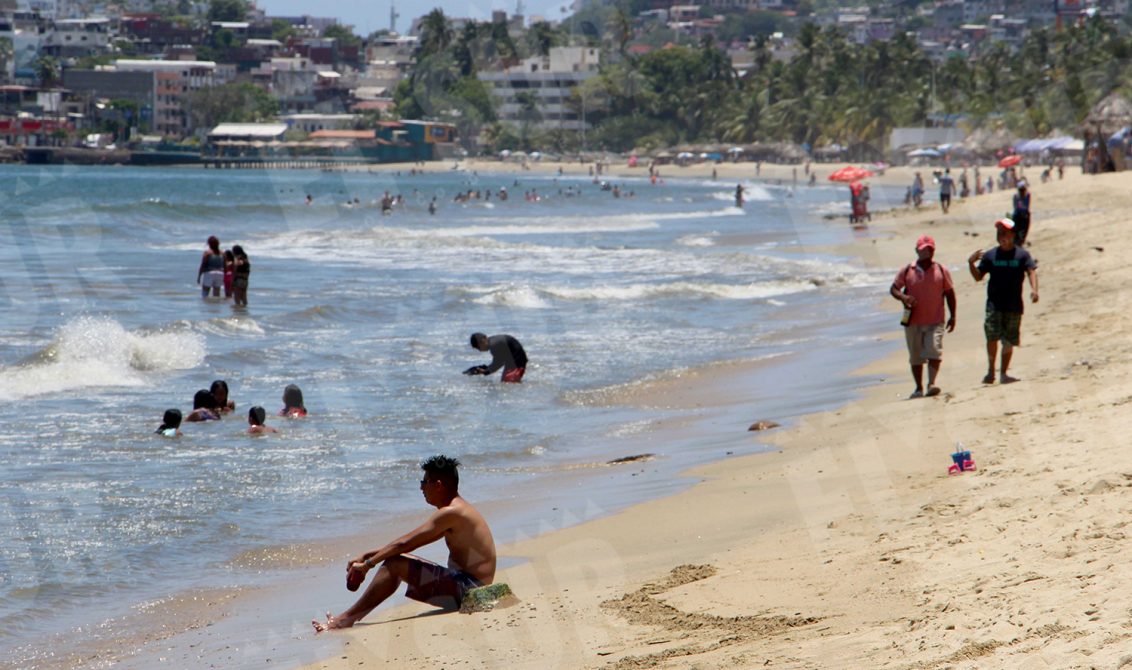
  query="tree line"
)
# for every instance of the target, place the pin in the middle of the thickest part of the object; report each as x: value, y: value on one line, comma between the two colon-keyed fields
x: 831, y: 90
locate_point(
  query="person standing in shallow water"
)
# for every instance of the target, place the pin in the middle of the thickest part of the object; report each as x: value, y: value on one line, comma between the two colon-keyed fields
x: 240, y: 276
x: 471, y: 553
x: 210, y: 275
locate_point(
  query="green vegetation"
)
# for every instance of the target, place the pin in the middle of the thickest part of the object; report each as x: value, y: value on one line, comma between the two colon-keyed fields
x: 836, y: 91
x: 344, y: 36
x: 227, y: 10
x: 231, y: 103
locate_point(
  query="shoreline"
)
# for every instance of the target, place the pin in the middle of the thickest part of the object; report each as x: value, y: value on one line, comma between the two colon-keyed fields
x: 666, y: 400
x: 660, y: 486
x: 850, y: 545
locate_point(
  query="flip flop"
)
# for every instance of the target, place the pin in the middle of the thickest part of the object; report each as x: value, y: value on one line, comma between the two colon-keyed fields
x: 932, y: 391
x: 989, y: 379
x: 1006, y: 379
x: 916, y: 394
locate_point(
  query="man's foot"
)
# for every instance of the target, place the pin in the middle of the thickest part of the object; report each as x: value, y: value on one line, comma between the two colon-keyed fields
x: 932, y: 391
x: 989, y: 379
x: 1007, y: 379
x: 331, y: 623
x: 918, y: 393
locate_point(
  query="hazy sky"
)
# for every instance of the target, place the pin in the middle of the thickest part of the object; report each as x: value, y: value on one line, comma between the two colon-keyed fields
x: 369, y: 15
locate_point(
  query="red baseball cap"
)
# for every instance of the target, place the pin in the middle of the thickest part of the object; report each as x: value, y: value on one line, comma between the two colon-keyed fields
x: 924, y: 242
x: 1004, y: 223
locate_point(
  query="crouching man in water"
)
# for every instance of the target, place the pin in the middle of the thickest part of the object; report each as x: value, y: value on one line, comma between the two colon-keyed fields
x: 506, y: 353
x: 471, y: 553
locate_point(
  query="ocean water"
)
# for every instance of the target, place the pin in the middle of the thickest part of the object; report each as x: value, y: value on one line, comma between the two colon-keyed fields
x: 104, y: 328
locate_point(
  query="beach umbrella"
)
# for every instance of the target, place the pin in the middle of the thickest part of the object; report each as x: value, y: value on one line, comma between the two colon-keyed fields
x: 850, y: 173
x: 1007, y: 161
x: 924, y: 153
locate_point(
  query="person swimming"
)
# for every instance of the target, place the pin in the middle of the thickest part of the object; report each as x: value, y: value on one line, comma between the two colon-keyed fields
x: 219, y: 391
x: 293, y: 407
x: 170, y: 424
x: 256, y: 418
x: 204, y: 407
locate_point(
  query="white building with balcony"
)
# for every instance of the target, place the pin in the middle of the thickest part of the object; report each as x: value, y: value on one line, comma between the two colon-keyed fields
x: 550, y: 80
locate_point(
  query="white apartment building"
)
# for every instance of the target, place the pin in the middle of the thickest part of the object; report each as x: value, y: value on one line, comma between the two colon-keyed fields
x: 551, y: 80
x: 175, y: 80
x: 75, y: 38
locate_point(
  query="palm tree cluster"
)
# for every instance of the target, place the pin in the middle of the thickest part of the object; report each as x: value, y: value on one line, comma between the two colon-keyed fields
x: 832, y: 90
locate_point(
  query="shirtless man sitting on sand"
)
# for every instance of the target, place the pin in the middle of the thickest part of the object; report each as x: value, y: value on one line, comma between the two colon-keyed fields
x: 471, y: 553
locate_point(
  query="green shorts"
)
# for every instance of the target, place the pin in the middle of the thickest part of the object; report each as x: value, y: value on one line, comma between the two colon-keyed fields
x: 1004, y: 326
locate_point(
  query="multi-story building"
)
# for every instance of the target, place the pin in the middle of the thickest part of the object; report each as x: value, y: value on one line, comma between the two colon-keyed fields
x: 550, y: 81
x: 173, y: 82
x: 152, y: 34
x: 75, y: 38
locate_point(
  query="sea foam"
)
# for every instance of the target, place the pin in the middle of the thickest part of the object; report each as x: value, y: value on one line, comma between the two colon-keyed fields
x: 97, y: 351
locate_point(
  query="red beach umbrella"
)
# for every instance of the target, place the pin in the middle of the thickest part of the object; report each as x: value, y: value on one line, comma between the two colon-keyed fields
x: 1007, y: 161
x: 850, y: 173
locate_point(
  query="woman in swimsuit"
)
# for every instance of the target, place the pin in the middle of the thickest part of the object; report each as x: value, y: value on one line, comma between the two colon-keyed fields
x: 229, y: 272
x: 204, y: 407
x: 241, y: 273
x: 293, y: 403
x: 219, y: 391
x: 210, y: 275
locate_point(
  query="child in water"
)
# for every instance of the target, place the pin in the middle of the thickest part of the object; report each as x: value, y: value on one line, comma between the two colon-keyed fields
x: 204, y: 407
x: 256, y: 416
x: 170, y: 424
x: 219, y: 391
x: 293, y: 402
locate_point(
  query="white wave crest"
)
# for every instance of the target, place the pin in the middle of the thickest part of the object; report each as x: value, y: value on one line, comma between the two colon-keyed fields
x: 95, y: 351
x: 522, y: 297
x: 752, y: 291
x: 698, y: 240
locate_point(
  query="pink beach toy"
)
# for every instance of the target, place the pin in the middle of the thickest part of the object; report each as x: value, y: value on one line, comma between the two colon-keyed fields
x: 960, y: 461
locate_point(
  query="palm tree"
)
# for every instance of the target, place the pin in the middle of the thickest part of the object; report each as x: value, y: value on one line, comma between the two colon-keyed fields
x: 47, y: 70
x: 622, y: 29
x: 436, y: 33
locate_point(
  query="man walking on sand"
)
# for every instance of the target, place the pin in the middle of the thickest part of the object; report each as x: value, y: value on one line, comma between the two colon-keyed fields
x: 946, y: 187
x: 471, y: 553
x: 1007, y: 264
x: 923, y: 287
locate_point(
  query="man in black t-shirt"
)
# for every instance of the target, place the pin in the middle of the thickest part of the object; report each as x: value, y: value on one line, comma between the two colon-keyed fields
x: 506, y: 353
x: 1008, y: 265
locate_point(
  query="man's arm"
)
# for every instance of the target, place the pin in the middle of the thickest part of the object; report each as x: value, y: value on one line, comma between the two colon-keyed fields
x: 428, y: 532
x: 1032, y: 274
x: 971, y: 265
x: 903, y: 297
x: 499, y: 354
x: 949, y: 296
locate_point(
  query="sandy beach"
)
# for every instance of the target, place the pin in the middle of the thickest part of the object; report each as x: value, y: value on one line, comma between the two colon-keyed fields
x: 851, y: 546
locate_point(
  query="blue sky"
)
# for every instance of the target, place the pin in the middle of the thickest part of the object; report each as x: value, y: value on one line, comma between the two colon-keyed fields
x: 370, y: 15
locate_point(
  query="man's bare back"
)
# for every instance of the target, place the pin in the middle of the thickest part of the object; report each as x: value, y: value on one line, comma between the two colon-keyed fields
x: 471, y: 547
